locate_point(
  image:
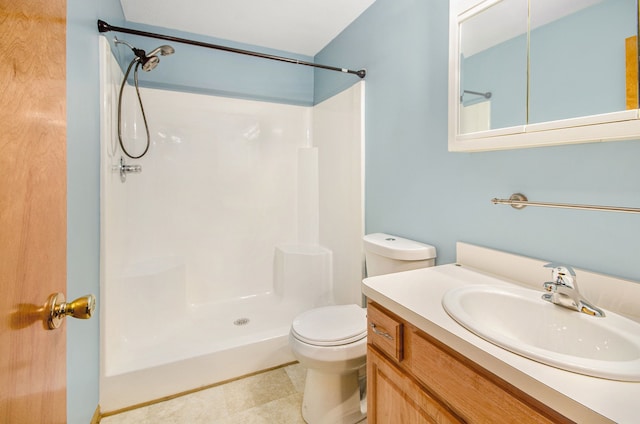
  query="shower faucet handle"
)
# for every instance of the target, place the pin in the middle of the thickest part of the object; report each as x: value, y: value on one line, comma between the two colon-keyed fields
x: 132, y: 169
x: 127, y: 169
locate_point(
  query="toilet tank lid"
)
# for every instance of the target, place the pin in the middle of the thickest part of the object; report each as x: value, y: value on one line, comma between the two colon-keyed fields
x: 394, y: 247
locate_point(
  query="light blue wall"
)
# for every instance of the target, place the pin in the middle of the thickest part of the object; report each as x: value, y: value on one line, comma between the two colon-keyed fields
x: 417, y: 189
x: 83, y: 199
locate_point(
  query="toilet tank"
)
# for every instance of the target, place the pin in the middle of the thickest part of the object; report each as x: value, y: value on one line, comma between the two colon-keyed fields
x: 385, y: 254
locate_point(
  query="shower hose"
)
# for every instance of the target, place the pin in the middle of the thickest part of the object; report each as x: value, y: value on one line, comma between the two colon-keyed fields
x: 144, y: 118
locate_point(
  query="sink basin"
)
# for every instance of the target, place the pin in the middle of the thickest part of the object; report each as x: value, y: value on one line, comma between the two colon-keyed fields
x: 517, y: 319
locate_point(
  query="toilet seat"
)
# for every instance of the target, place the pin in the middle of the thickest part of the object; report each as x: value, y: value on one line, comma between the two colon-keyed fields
x: 331, y: 325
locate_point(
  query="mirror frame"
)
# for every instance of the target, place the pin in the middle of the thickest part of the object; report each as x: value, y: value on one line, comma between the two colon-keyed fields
x: 614, y: 126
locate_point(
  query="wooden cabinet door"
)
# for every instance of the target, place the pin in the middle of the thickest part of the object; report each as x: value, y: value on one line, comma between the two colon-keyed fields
x: 32, y: 208
x: 472, y: 392
x: 393, y: 397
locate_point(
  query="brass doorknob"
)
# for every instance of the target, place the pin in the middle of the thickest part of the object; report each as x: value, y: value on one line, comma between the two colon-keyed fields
x: 57, y: 308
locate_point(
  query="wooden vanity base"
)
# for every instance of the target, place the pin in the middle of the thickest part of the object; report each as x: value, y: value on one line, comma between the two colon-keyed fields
x: 413, y: 378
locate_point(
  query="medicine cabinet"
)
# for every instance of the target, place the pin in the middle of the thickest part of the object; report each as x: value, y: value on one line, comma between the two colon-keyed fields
x: 527, y: 73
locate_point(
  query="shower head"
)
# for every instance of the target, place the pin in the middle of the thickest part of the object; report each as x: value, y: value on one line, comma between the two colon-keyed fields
x: 163, y: 50
x: 148, y: 61
x: 151, y: 60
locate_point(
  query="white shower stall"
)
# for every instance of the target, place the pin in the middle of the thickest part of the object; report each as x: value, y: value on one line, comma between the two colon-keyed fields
x: 245, y: 214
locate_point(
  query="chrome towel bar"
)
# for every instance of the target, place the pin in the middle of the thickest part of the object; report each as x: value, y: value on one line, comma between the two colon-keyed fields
x: 519, y: 201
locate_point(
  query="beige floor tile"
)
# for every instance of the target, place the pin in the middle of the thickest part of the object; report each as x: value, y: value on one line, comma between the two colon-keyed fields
x: 200, y: 407
x: 297, y: 373
x: 136, y: 416
x: 257, y: 390
x: 286, y: 410
x: 272, y: 397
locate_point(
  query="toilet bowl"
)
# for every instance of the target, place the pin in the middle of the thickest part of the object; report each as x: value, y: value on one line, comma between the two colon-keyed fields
x: 331, y: 341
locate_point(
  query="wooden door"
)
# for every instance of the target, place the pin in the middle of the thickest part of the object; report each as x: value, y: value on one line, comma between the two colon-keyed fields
x: 32, y: 208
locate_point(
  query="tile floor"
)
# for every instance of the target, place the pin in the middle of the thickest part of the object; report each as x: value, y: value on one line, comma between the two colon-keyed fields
x: 272, y: 397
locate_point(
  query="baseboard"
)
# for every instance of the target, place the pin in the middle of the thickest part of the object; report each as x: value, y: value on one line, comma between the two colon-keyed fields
x: 96, y: 416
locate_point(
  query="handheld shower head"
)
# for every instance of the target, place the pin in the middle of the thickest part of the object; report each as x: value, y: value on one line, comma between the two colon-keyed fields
x: 163, y: 50
x: 148, y: 61
x: 151, y: 60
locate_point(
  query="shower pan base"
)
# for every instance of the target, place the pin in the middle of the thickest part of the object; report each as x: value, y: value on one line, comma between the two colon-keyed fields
x: 183, y: 360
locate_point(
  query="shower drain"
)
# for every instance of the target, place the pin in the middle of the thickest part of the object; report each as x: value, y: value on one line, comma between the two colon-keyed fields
x: 241, y: 321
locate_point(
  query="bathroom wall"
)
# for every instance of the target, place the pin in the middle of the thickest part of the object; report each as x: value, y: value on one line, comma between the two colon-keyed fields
x: 83, y: 198
x: 415, y: 188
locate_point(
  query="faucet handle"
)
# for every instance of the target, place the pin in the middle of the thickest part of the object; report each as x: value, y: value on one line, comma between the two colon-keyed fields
x: 562, y: 275
x: 566, y: 269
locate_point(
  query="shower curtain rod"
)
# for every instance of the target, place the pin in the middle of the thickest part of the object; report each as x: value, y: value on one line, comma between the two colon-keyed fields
x: 486, y: 95
x: 105, y: 27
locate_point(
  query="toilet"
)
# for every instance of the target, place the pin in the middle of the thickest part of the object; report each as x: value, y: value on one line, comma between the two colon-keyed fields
x: 331, y: 341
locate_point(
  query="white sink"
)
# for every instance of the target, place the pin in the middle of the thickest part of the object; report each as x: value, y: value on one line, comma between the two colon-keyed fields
x: 517, y: 319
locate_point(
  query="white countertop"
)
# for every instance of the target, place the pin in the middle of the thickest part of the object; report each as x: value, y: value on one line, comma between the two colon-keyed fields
x: 416, y: 297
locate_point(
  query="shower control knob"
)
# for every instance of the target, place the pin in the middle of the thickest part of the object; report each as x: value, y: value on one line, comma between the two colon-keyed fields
x: 56, y: 309
x: 128, y: 169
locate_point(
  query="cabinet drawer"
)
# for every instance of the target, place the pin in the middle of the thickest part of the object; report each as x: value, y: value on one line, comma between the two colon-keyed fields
x: 384, y: 331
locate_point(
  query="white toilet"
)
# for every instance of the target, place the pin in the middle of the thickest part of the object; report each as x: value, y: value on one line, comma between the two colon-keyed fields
x: 331, y: 341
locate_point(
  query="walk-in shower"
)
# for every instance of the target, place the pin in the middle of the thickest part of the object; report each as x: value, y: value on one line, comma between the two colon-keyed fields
x: 246, y: 214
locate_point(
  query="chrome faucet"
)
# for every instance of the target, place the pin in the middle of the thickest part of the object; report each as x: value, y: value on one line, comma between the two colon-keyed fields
x: 563, y: 290
x: 125, y: 169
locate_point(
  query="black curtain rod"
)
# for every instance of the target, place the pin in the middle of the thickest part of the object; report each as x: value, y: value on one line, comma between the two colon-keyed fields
x: 105, y: 27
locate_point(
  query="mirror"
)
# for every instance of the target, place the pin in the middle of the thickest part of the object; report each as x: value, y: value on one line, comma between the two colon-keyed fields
x: 493, y: 68
x: 578, y: 57
x: 522, y: 69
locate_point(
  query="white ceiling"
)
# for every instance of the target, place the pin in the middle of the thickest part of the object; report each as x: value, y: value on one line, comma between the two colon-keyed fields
x: 298, y: 26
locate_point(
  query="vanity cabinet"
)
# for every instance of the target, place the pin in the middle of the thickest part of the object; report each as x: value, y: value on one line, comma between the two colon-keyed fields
x: 413, y: 378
